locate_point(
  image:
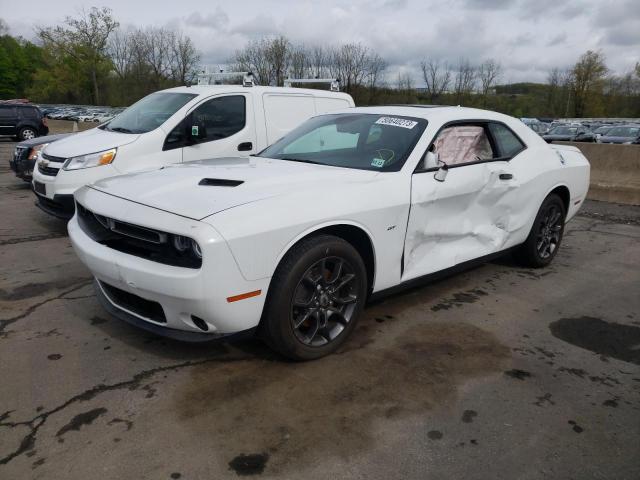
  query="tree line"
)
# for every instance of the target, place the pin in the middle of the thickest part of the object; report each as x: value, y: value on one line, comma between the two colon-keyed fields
x: 91, y: 59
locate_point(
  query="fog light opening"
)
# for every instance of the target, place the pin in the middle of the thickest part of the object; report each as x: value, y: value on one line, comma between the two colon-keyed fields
x: 200, y: 323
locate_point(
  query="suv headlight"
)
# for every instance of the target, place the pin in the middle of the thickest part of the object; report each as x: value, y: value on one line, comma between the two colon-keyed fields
x: 90, y: 160
x: 34, y: 153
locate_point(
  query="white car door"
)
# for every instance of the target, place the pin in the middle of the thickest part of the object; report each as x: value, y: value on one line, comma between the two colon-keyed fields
x: 462, y: 213
x: 222, y: 126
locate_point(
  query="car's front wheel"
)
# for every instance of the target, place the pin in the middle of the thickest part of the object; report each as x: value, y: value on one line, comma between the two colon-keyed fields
x: 315, y: 298
x: 545, y: 236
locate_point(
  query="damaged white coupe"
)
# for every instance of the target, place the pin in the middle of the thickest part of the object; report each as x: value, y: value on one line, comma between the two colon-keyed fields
x: 291, y: 243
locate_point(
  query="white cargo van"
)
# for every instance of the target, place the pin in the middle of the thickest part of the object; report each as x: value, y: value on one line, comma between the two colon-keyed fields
x: 173, y: 126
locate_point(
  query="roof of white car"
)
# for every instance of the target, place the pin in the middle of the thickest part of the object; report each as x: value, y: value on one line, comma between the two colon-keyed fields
x: 208, y: 89
x: 433, y: 113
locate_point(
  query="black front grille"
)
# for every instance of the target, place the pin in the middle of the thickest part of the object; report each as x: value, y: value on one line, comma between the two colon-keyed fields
x: 134, y: 240
x: 21, y: 153
x: 52, y: 172
x: 133, y: 303
x: 51, y: 158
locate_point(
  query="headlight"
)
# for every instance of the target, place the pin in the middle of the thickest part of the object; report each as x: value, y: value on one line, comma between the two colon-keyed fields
x: 34, y: 153
x: 186, y: 245
x: 90, y: 160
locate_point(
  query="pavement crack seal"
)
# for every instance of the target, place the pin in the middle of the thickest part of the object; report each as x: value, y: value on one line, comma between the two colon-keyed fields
x: 4, y: 323
x: 29, y: 440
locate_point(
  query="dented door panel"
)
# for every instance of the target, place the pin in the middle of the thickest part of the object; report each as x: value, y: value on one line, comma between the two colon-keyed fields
x: 469, y: 215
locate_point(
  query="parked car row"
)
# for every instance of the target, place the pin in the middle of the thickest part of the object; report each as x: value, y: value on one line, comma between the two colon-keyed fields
x: 211, y: 211
x: 588, y: 131
x: 81, y: 113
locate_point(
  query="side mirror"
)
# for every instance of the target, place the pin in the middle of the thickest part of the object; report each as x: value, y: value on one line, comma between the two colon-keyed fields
x: 441, y: 174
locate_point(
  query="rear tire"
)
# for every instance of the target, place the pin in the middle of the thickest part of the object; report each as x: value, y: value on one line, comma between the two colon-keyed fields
x: 545, y: 236
x: 315, y: 298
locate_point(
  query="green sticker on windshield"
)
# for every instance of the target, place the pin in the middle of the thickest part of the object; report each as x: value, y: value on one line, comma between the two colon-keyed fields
x: 194, y: 131
x: 377, y: 162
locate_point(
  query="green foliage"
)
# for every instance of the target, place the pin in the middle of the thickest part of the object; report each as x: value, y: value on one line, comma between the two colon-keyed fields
x: 19, y: 60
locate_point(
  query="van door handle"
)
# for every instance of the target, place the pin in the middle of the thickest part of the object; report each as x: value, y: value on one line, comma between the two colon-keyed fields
x: 245, y: 147
x: 505, y: 176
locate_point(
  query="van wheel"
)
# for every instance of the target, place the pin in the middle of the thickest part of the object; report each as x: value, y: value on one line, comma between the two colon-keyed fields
x: 27, y: 133
x: 545, y: 237
x: 315, y: 298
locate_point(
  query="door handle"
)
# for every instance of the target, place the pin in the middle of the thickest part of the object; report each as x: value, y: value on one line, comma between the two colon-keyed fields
x: 245, y: 147
x: 505, y: 176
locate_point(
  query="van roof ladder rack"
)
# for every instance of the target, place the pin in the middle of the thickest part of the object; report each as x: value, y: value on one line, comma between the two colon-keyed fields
x: 334, y: 83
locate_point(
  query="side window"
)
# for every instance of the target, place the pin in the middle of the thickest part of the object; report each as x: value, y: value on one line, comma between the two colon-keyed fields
x: 218, y: 118
x: 507, y: 142
x: 323, y: 139
x: 7, y: 113
x: 462, y: 144
x: 29, y: 113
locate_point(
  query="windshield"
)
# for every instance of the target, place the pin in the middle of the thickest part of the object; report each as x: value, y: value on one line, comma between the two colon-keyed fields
x: 354, y: 140
x: 564, y: 131
x: 602, y: 130
x: 624, y: 132
x: 149, y: 113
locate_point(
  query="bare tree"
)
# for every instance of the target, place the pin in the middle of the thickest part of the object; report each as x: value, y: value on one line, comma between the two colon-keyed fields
x: 488, y: 74
x: 4, y: 28
x: 184, y: 59
x: 376, y: 66
x: 254, y: 59
x: 299, y: 62
x: 437, y: 76
x: 84, y: 39
x: 318, y: 62
x: 279, y: 56
x: 121, y: 52
x: 464, y: 80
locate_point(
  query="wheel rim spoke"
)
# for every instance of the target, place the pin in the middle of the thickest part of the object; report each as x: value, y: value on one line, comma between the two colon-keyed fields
x: 324, y: 301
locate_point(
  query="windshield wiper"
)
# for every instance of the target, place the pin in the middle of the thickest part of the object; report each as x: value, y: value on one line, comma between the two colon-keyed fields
x: 300, y: 160
x: 120, y: 129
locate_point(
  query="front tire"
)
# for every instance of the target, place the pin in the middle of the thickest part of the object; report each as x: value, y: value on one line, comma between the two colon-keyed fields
x: 545, y: 236
x: 316, y: 296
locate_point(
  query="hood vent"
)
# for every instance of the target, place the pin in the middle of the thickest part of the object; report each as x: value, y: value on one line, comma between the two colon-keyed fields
x: 219, y: 182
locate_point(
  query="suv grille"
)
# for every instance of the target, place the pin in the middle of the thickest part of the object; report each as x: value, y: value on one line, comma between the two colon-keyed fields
x: 52, y: 172
x: 21, y: 153
x: 51, y: 158
x: 134, y: 240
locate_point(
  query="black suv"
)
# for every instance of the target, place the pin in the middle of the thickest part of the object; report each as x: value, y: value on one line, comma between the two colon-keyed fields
x: 23, y: 121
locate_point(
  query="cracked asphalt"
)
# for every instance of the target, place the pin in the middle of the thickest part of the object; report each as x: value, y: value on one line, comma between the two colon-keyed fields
x: 498, y: 372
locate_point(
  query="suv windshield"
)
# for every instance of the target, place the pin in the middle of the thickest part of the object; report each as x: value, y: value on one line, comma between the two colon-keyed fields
x: 355, y: 140
x: 149, y: 113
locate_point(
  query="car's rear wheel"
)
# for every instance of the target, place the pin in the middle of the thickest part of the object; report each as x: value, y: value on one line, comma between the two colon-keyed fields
x: 315, y: 298
x: 27, y: 133
x: 545, y: 237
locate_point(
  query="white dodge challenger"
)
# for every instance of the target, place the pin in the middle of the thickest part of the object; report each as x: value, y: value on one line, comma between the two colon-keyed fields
x: 291, y: 243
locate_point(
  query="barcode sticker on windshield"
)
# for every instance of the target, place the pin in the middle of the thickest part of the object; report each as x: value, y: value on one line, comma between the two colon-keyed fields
x: 396, y: 122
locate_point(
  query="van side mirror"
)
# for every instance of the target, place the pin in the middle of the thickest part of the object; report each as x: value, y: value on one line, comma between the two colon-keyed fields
x: 441, y: 174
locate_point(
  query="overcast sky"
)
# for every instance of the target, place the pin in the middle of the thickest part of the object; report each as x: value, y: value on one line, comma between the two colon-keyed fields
x: 528, y: 37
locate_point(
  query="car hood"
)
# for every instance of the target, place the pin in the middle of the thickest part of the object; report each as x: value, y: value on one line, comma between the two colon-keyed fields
x: 89, y: 141
x: 34, y: 142
x: 199, y: 189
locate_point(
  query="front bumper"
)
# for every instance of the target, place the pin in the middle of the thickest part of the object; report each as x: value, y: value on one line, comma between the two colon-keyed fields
x: 61, y: 206
x: 189, y: 298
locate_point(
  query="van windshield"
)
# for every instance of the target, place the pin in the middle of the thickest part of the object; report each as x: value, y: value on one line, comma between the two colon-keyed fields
x: 363, y: 141
x: 149, y: 113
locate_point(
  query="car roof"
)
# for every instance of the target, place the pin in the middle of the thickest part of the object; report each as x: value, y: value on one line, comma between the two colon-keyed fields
x: 432, y: 113
x: 211, y: 89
